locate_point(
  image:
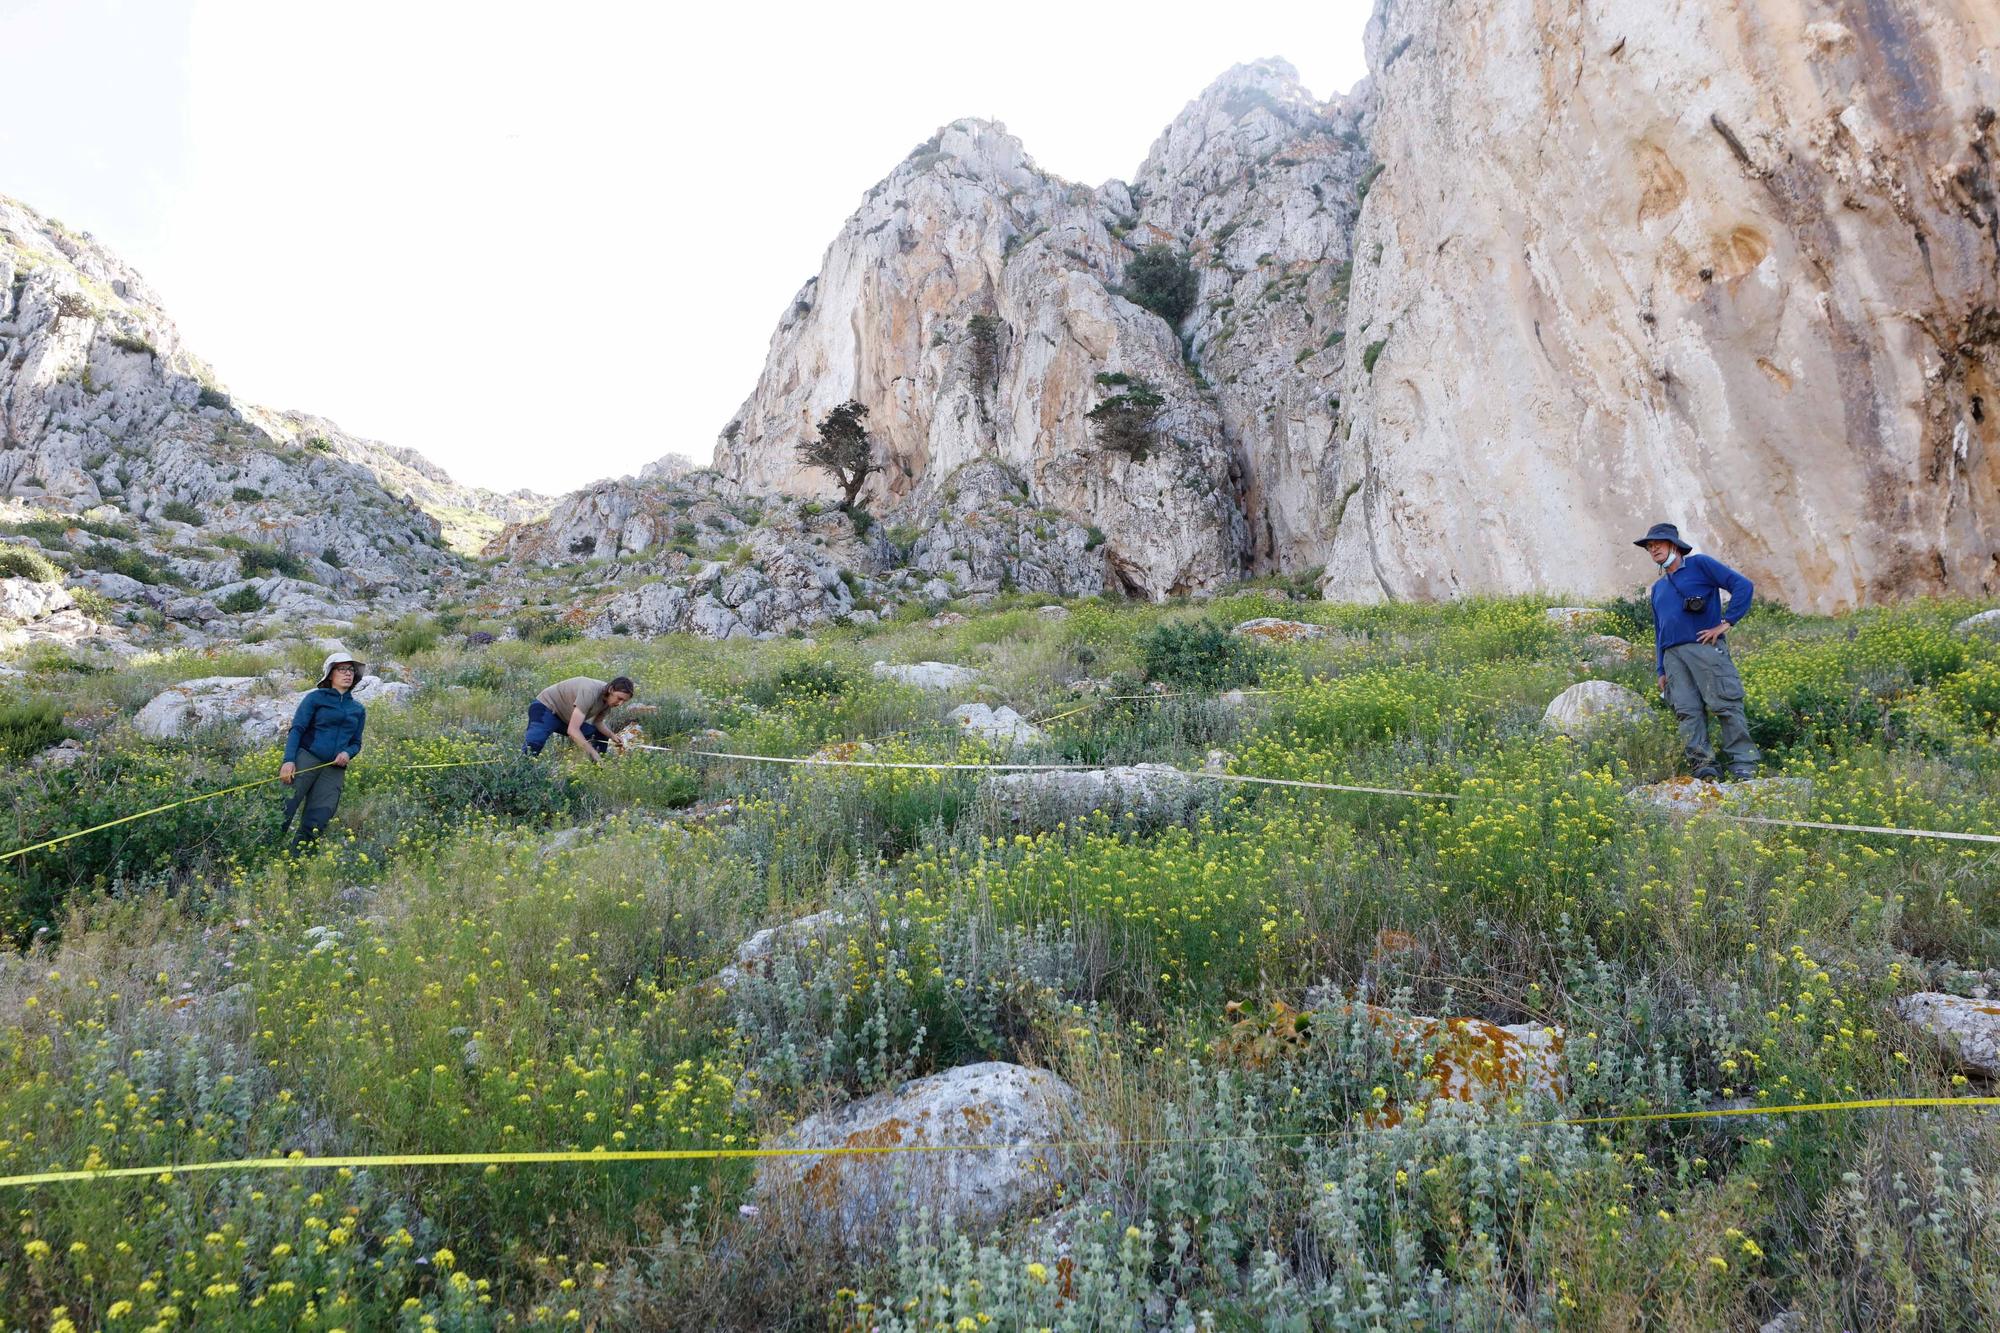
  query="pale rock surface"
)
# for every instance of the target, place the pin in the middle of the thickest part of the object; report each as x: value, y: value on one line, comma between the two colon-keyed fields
x: 24, y: 600
x: 985, y: 536
x: 1590, y: 706
x: 1606, y: 650
x: 1151, y: 792
x: 373, y: 690
x: 1272, y: 629
x: 1721, y: 263
x: 1971, y: 1028
x: 1001, y: 725
x: 927, y: 675
x: 1986, y: 623
x: 240, y: 701
x: 861, y: 1199
x: 754, y: 955
x: 1573, y: 617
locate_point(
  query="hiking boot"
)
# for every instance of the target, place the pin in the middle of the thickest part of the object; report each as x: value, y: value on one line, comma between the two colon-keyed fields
x: 1708, y: 773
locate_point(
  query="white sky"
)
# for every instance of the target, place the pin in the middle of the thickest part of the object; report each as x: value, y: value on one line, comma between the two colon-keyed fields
x: 548, y: 243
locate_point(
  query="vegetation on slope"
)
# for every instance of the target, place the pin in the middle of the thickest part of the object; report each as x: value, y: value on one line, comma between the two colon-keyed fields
x: 450, y: 976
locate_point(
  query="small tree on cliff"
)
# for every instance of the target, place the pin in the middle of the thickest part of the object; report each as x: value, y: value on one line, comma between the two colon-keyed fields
x: 1162, y: 281
x: 843, y: 449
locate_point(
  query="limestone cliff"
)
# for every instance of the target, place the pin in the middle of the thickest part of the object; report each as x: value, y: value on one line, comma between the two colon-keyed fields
x: 972, y: 303
x: 1735, y: 265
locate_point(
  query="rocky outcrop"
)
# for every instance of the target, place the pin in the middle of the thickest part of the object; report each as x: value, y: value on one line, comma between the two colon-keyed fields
x: 1017, y: 1118
x: 1002, y: 726
x: 927, y: 675
x: 242, y: 703
x: 974, y: 304
x: 1153, y: 793
x: 1699, y: 260
x: 1692, y: 796
x: 102, y: 405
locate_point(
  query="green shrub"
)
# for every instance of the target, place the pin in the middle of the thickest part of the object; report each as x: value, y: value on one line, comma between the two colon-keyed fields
x: 1372, y: 353
x: 1163, y: 282
x: 1128, y: 422
x: 21, y: 562
x: 212, y: 397
x: 241, y: 602
x: 544, y: 628
x: 412, y: 635
x: 814, y: 679
x: 246, y: 494
x: 29, y: 726
x: 1197, y: 655
x: 180, y: 511
x: 254, y: 560
x: 127, y: 560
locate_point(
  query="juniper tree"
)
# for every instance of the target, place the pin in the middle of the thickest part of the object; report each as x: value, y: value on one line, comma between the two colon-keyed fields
x: 844, y: 449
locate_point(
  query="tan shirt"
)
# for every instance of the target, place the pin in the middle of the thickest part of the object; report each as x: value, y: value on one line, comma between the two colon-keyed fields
x: 566, y: 696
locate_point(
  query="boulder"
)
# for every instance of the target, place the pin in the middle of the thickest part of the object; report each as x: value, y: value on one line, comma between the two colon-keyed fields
x: 860, y: 1199
x: 1591, y: 706
x: 374, y: 690
x: 946, y: 619
x: 1970, y: 1028
x: 60, y: 755
x: 1152, y: 792
x: 1002, y: 725
x: 215, y: 700
x: 927, y: 675
x: 1986, y: 623
x: 24, y: 601
x: 1272, y: 629
x: 1573, y: 617
x: 1052, y: 612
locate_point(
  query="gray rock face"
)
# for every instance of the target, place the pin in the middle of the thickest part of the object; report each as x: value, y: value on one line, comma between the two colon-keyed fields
x: 1151, y: 792
x: 1625, y: 259
x: 754, y: 955
x: 859, y: 1199
x: 1001, y: 725
x: 239, y: 701
x: 1986, y: 623
x: 986, y: 537
x: 1971, y: 1028
x: 100, y: 402
x: 1591, y: 706
x: 23, y: 600
x: 1271, y: 629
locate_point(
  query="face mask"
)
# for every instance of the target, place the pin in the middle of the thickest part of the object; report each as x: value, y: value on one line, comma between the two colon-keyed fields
x: 1664, y: 559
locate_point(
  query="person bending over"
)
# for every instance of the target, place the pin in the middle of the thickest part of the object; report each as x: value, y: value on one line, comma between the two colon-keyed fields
x: 576, y: 707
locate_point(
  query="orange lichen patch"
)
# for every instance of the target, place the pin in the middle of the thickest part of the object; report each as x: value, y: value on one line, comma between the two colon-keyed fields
x: 1662, y: 185
x: 1389, y: 943
x: 822, y: 1179
x: 1740, y: 252
x: 1281, y: 631
x: 1776, y: 375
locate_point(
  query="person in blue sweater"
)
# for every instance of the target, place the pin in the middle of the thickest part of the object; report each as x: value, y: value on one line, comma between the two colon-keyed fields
x: 1691, y: 655
x: 325, y: 737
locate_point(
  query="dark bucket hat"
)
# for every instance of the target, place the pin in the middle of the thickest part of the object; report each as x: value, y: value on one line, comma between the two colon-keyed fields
x: 1664, y: 532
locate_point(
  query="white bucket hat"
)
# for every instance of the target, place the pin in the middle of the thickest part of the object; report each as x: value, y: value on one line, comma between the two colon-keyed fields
x: 334, y: 659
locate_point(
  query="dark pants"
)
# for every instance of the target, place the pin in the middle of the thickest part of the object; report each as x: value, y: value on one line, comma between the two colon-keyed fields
x: 543, y: 723
x: 1701, y: 684
x: 315, y: 796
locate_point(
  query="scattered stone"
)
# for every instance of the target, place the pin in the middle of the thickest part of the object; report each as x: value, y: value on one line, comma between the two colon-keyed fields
x: 60, y: 755
x: 374, y: 690
x: 1271, y: 629
x: 860, y: 1199
x: 946, y: 619
x: 1001, y: 725
x: 927, y: 675
x: 1573, y: 617
x: 1606, y: 650
x: 1216, y: 761
x: 1985, y: 623
x: 1790, y: 1321
x: 1971, y: 1028
x: 754, y: 955
x: 1591, y: 706
x: 1152, y: 792
x: 843, y: 751
x: 1052, y: 612
x: 1690, y: 796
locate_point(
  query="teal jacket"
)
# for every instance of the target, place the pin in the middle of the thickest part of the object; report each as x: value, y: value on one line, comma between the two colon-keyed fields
x: 326, y: 723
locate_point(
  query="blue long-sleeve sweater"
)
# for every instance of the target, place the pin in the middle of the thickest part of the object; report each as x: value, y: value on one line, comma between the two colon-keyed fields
x: 326, y: 723
x: 1695, y: 576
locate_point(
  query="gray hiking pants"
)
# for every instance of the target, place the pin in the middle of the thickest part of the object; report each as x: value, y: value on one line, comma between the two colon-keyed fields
x: 1702, y: 683
x: 315, y: 796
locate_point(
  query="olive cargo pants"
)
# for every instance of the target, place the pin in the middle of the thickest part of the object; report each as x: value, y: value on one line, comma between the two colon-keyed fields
x: 315, y: 795
x: 1702, y: 683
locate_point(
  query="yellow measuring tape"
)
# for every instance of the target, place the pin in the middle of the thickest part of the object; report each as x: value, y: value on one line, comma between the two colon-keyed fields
x: 209, y: 796
x: 603, y: 1156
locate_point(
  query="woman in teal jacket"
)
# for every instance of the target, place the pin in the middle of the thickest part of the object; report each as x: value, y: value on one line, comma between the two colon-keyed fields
x: 325, y: 737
